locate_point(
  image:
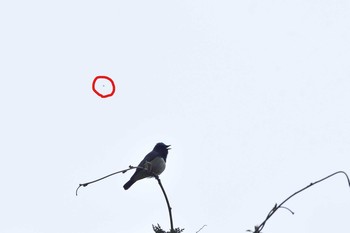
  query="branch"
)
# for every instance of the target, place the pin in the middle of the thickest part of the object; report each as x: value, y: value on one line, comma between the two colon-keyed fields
x: 259, y: 228
x: 125, y: 170
x: 86, y: 184
x: 167, y: 202
x: 201, y: 228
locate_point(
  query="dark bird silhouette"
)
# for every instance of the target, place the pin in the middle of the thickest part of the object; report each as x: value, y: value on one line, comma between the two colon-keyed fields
x: 154, y: 163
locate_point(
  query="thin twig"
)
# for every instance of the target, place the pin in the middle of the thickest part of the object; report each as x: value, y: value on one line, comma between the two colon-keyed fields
x: 86, y: 184
x: 167, y: 202
x: 283, y: 207
x: 259, y: 228
x: 201, y: 228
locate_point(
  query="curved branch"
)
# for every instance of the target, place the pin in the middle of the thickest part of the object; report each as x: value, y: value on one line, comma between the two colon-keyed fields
x: 276, y: 207
x: 283, y: 207
x: 167, y: 202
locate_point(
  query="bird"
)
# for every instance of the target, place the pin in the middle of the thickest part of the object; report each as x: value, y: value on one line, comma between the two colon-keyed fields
x: 154, y: 164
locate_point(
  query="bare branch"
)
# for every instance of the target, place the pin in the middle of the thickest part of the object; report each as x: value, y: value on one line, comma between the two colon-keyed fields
x: 167, y: 202
x: 114, y: 173
x: 201, y: 228
x: 148, y: 169
x: 283, y: 207
x: 258, y: 229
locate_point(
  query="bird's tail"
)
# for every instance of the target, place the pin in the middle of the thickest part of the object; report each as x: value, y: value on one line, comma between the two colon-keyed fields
x: 128, y: 184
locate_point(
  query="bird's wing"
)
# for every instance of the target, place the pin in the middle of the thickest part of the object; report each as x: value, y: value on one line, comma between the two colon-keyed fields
x: 141, y: 173
x: 149, y: 157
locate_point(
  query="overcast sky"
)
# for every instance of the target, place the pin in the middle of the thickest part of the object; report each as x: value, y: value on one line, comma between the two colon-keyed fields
x: 252, y: 95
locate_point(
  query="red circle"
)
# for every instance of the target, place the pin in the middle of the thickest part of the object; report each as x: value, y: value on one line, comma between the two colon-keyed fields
x: 98, y: 93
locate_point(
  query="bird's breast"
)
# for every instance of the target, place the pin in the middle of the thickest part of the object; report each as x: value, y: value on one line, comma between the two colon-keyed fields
x: 158, y: 165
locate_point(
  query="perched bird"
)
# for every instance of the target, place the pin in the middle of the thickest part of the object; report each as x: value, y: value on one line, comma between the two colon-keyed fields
x: 154, y: 163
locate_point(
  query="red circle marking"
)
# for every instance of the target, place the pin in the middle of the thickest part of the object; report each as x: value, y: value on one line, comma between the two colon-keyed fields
x: 98, y: 93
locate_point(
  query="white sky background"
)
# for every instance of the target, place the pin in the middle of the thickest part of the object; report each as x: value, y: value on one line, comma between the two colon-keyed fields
x: 253, y: 96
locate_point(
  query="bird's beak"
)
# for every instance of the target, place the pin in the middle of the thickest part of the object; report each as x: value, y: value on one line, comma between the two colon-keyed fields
x: 168, y: 147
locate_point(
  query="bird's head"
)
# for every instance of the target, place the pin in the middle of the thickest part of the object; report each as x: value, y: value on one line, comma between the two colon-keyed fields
x: 161, y: 147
